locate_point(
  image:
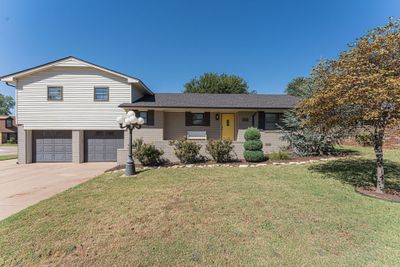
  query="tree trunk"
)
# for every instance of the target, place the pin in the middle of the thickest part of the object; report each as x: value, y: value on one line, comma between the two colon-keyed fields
x: 378, y: 147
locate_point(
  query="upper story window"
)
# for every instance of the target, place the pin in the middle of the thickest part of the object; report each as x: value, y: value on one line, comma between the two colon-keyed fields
x: 9, y: 123
x: 272, y: 120
x: 54, y: 93
x: 101, y: 94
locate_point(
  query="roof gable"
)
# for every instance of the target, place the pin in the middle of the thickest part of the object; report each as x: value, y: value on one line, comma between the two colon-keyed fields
x: 71, y: 62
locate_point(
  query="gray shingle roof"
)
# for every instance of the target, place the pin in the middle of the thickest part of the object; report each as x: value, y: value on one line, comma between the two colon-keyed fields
x: 222, y: 101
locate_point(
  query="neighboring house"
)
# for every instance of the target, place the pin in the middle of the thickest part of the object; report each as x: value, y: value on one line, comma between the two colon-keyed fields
x: 8, y: 129
x: 66, y: 111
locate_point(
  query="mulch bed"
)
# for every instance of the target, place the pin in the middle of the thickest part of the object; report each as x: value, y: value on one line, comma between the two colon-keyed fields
x: 389, y: 194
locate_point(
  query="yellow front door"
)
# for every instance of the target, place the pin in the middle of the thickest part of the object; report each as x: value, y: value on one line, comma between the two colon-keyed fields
x: 228, y: 126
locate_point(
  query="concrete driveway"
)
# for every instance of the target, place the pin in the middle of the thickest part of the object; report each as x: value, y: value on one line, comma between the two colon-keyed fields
x: 24, y: 185
x: 8, y: 150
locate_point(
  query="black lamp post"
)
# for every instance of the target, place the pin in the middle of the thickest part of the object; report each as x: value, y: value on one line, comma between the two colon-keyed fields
x: 130, y: 122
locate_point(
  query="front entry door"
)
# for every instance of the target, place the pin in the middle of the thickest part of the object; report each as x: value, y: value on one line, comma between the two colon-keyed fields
x: 228, y: 126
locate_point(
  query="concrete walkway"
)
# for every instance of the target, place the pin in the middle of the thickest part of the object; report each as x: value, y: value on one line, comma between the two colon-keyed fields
x: 24, y: 185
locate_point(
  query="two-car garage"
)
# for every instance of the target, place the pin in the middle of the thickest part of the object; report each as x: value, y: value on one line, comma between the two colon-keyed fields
x: 57, y: 145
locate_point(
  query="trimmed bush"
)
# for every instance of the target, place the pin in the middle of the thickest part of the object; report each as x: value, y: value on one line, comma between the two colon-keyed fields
x: 365, y: 138
x: 252, y: 134
x: 147, y: 154
x: 253, y: 146
x: 186, y: 151
x: 254, y: 156
x: 280, y: 155
x: 220, y: 150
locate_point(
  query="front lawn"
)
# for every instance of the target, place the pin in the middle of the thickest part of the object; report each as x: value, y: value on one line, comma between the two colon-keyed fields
x: 275, y: 215
x: 7, y: 157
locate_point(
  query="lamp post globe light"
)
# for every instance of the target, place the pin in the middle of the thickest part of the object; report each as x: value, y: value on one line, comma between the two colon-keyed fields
x: 130, y: 122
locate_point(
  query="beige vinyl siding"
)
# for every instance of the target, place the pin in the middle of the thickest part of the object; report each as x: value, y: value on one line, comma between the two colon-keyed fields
x: 175, y: 126
x: 77, y: 110
x: 71, y: 63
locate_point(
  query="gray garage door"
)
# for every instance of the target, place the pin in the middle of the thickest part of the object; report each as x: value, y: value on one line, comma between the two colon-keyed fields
x: 103, y: 145
x: 52, y: 146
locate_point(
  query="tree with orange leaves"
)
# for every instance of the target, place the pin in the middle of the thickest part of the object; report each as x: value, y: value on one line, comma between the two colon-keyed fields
x: 360, y: 88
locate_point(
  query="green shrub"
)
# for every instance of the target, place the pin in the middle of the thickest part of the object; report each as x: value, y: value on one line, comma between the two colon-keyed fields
x: 147, y: 154
x: 186, y: 151
x: 220, y: 150
x: 365, y: 138
x: 254, y: 156
x: 305, y: 141
x: 253, y: 146
x: 280, y: 155
x: 11, y: 141
x: 252, y: 134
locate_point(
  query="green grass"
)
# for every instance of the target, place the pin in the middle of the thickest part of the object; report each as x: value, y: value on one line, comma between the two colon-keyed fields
x: 6, y: 144
x: 7, y: 157
x: 296, y: 215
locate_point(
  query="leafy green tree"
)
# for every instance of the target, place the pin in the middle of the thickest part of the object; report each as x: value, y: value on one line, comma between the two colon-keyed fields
x: 6, y: 104
x: 301, y: 87
x: 214, y: 83
x: 361, y: 89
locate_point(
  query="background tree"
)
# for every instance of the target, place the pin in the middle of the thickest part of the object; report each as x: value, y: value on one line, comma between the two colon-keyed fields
x: 361, y: 88
x: 213, y: 83
x: 301, y: 87
x: 6, y: 104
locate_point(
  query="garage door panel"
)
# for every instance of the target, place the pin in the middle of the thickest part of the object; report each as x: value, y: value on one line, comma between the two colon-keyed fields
x: 46, y: 149
x: 47, y: 157
x: 61, y: 148
x: 103, y: 145
x: 52, y: 146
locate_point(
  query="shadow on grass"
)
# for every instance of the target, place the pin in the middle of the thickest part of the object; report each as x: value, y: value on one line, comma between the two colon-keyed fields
x: 346, y: 151
x: 359, y: 172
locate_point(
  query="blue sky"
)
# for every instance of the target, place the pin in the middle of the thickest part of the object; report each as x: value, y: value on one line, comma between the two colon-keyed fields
x: 167, y: 43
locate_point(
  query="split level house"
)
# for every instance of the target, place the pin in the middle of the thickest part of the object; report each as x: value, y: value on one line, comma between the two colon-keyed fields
x: 66, y: 112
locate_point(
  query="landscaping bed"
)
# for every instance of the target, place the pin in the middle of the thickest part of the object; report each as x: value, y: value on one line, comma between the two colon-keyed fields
x: 242, y: 162
x: 388, y: 194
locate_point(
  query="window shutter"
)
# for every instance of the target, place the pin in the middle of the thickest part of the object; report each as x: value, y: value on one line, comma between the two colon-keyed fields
x: 261, y: 120
x: 188, y: 118
x: 150, y: 117
x: 207, y: 119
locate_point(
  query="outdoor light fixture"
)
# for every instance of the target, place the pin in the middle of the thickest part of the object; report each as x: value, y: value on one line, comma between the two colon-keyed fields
x: 130, y: 122
x: 217, y: 116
